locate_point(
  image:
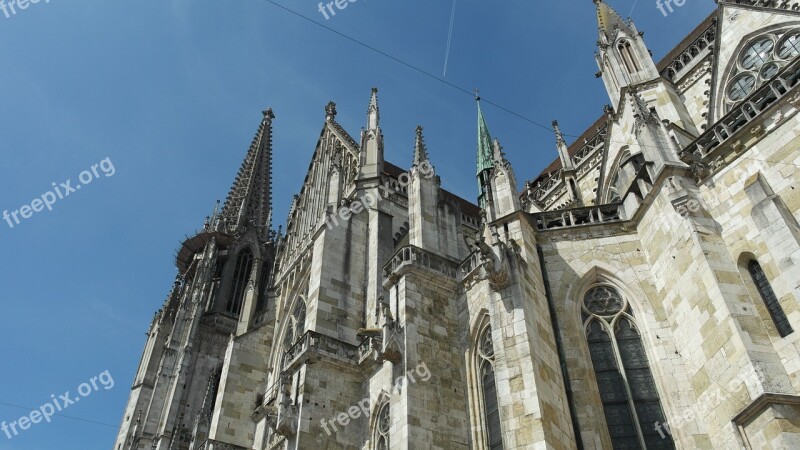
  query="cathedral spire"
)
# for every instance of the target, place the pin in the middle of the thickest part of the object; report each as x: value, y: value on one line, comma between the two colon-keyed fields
x: 485, y: 158
x: 420, y: 151
x: 485, y: 148
x: 249, y: 201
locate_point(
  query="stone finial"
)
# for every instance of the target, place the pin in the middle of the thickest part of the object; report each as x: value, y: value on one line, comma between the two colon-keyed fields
x: 420, y: 151
x: 373, y: 111
x: 330, y: 111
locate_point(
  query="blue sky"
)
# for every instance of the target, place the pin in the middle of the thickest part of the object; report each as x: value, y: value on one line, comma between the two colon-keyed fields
x: 171, y: 91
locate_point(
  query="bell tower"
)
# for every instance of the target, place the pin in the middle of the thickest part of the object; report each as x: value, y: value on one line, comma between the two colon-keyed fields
x: 220, y: 291
x: 622, y: 55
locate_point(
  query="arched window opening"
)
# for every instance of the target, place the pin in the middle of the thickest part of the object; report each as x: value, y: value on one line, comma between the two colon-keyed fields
x: 491, y: 408
x: 631, y: 404
x: 381, y: 437
x: 770, y: 300
x: 628, y: 58
x: 241, y: 274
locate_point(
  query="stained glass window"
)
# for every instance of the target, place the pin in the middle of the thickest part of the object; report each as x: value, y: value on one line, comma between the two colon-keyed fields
x: 631, y: 404
x: 494, y: 434
x: 761, y: 60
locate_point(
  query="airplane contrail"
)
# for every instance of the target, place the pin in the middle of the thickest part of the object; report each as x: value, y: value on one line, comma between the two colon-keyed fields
x: 449, y: 37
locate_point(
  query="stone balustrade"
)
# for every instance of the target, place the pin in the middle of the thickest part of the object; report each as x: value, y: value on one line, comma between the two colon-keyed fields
x: 578, y: 216
x: 708, y: 152
x: 415, y: 256
x: 313, y: 343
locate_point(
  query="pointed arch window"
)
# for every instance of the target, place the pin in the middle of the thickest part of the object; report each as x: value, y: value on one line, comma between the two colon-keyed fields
x: 628, y: 58
x: 491, y: 409
x: 770, y: 299
x: 241, y: 275
x: 631, y: 403
x: 384, y: 423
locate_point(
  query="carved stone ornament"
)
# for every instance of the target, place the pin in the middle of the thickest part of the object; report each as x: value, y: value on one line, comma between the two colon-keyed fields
x: 699, y: 170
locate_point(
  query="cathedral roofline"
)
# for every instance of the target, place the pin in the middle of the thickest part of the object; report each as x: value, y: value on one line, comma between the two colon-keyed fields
x: 601, y: 121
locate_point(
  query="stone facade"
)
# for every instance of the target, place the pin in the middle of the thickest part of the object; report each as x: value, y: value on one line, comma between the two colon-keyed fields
x: 642, y: 292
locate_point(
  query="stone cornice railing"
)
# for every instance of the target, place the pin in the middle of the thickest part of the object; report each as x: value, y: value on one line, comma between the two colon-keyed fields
x: 472, y: 263
x: 412, y: 256
x: 313, y: 343
x: 591, y: 215
x: 720, y: 144
x: 217, y: 445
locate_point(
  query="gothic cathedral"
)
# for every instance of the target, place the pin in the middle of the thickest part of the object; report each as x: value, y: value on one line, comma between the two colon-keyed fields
x: 641, y: 293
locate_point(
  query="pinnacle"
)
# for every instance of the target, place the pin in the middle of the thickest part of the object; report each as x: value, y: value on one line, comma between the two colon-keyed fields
x: 420, y: 151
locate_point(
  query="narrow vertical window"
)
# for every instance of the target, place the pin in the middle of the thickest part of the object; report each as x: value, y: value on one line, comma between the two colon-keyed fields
x: 261, y: 306
x: 626, y: 53
x: 494, y: 435
x: 241, y: 274
x: 382, y: 428
x: 631, y: 403
x: 769, y: 298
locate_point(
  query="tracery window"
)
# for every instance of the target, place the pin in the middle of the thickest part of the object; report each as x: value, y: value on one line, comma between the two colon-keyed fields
x: 769, y: 298
x: 241, y: 275
x: 296, y: 326
x: 491, y: 409
x: 631, y: 403
x: 382, y: 428
x: 759, y: 61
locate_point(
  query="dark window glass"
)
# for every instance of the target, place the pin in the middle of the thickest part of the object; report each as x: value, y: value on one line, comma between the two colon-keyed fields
x: 244, y: 264
x: 642, y: 385
x: 612, y: 389
x: 769, y: 298
x: 492, y: 409
x: 261, y: 306
x: 628, y: 393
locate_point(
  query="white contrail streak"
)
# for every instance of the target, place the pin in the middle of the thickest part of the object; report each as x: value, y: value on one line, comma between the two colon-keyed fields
x: 449, y: 37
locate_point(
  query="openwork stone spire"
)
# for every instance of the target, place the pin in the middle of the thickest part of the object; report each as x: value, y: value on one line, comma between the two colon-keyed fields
x: 420, y: 151
x: 249, y: 202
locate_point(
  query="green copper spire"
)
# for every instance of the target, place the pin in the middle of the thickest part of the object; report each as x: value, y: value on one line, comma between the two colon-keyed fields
x: 485, y: 158
x: 485, y: 150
